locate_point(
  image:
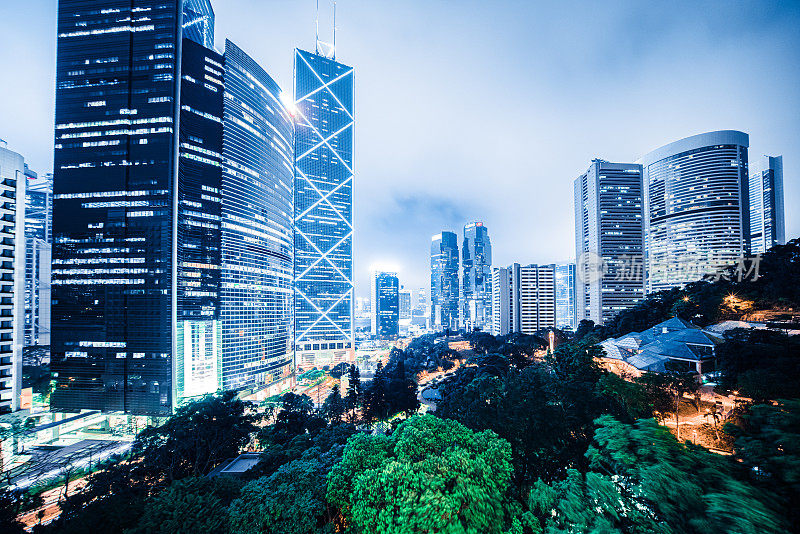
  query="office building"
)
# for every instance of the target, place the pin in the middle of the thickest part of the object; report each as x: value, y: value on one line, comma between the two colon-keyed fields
x: 257, y: 227
x: 114, y: 223
x: 767, y: 224
x: 12, y: 276
x: 444, y: 281
x: 476, y: 280
x: 405, y: 304
x: 523, y: 299
x: 323, y: 209
x: 38, y: 257
x: 697, y: 216
x: 385, y: 317
x: 609, y: 240
x: 565, y: 296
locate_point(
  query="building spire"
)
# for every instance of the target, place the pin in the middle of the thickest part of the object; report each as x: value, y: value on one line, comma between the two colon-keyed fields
x: 326, y: 49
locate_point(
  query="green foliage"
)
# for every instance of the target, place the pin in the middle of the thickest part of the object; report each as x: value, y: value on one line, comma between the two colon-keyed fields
x: 760, y: 364
x: 190, y: 444
x: 545, y: 410
x: 589, y: 502
x: 685, y: 489
x: 289, y: 496
x: 189, y: 506
x: 430, y: 475
x: 768, y: 443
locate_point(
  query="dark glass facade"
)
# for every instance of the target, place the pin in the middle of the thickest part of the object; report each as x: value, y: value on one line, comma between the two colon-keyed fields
x: 323, y: 207
x: 198, y: 355
x: 257, y: 227
x: 386, y: 305
x: 135, y: 252
x: 38, y: 244
x: 444, y: 280
x: 113, y: 212
x: 476, y: 281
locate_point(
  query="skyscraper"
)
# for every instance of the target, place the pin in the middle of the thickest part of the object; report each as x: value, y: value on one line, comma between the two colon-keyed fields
x: 323, y: 209
x: 476, y: 281
x: 523, y: 299
x: 115, y: 205
x: 386, y: 310
x: 405, y: 304
x: 257, y: 227
x: 38, y: 257
x: 767, y: 224
x: 565, y: 296
x: 444, y: 280
x: 697, y: 216
x: 609, y: 240
x: 12, y: 276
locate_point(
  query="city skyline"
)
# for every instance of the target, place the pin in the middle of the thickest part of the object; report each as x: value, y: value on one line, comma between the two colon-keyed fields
x: 757, y: 101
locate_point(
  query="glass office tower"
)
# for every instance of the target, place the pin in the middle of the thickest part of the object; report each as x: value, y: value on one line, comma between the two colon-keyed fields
x: 767, y: 223
x: 386, y: 307
x: 697, y: 217
x: 38, y: 257
x: 565, y: 296
x: 198, y: 328
x: 609, y: 240
x: 323, y: 209
x: 444, y: 281
x: 116, y: 207
x: 476, y: 282
x: 257, y: 227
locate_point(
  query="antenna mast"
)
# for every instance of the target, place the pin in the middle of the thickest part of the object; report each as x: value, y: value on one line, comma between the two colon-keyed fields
x: 326, y: 49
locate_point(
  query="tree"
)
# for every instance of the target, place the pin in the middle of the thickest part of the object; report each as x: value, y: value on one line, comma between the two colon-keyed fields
x: 430, y: 475
x: 197, y: 437
x: 768, y: 444
x: 589, y: 502
x: 289, y: 494
x: 376, y: 403
x: 333, y: 408
x: 190, y: 506
x: 355, y: 394
x: 681, y: 487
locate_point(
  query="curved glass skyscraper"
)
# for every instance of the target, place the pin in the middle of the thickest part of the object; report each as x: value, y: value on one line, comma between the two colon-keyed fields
x: 696, y: 207
x: 257, y: 226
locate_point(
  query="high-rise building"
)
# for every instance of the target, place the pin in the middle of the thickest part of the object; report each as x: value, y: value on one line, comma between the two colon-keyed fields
x: 405, y: 304
x: 609, y: 240
x: 12, y: 276
x: 172, y: 216
x: 386, y: 310
x: 444, y: 280
x: 523, y: 299
x: 767, y: 224
x: 115, y: 205
x: 696, y: 207
x: 257, y: 227
x: 476, y: 280
x: 565, y: 296
x: 198, y: 329
x: 323, y: 209
x: 38, y: 257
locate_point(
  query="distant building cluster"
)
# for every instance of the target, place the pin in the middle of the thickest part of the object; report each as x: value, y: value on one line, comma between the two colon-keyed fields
x: 684, y: 211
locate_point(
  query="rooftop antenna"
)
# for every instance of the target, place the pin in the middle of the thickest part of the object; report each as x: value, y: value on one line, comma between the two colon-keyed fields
x: 326, y: 49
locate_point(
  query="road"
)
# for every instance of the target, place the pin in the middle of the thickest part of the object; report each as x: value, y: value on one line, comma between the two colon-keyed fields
x: 50, y: 462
